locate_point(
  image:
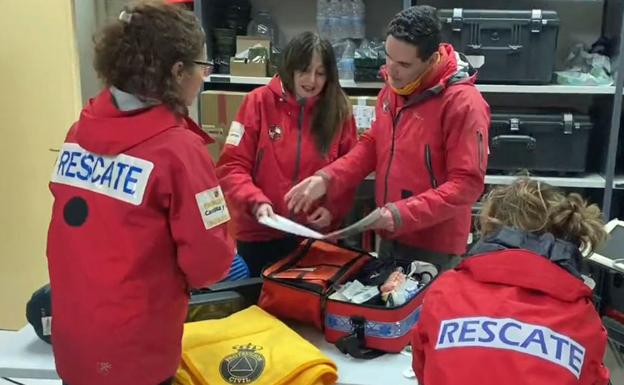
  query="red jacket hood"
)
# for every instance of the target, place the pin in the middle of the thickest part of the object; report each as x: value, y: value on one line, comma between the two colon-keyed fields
x: 451, y: 70
x: 523, y: 268
x: 104, y: 129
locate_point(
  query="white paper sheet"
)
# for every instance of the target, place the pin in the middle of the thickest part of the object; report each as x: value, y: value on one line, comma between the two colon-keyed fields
x: 286, y: 225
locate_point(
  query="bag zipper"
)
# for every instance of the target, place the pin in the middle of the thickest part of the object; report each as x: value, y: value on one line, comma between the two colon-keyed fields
x: 314, y: 287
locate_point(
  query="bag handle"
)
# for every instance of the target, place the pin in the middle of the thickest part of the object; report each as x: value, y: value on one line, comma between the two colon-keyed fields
x: 302, y: 252
x: 354, y: 343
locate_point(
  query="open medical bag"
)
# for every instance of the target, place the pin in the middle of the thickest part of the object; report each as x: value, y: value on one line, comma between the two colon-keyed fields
x: 299, y: 288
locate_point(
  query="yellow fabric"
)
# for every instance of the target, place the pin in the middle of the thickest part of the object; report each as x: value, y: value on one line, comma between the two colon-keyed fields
x: 232, y: 350
x: 413, y: 86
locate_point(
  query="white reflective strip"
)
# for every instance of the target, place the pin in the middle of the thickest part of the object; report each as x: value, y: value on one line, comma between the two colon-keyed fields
x: 237, y: 131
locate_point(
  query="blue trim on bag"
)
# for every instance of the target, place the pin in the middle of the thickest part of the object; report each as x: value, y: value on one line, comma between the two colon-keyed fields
x: 374, y: 328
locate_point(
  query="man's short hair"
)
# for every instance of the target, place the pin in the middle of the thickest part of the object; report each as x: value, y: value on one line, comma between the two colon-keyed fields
x: 419, y: 26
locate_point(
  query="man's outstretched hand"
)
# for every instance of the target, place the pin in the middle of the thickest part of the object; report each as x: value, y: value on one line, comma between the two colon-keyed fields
x: 305, y: 193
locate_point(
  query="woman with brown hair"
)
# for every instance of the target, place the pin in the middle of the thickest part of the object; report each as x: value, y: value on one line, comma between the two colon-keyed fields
x: 138, y: 216
x: 518, y: 303
x: 284, y: 132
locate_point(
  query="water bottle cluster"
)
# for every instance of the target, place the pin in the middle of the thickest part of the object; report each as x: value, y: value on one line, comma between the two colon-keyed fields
x: 341, y: 21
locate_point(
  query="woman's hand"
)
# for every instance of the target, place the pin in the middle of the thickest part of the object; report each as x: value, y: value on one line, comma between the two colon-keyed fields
x: 264, y: 210
x: 320, y: 218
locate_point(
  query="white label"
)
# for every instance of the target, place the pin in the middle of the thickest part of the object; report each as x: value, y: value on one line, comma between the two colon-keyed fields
x: 477, y: 61
x: 510, y: 334
x: 237, y: 130
x: 121, y: 177
x: 364, y: 116
x: 46, y: 323
x: 212, y: 207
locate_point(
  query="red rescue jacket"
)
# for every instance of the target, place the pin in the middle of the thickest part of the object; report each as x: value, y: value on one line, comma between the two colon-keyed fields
x: 429, y: 155
x: 138, y: 219
x: 269, y: 149
x: 510, y: 317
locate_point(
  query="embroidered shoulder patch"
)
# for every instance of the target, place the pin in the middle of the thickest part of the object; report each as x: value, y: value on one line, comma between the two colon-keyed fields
x: 212, y: 207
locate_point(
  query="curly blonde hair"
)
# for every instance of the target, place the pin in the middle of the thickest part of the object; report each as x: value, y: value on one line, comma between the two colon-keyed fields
x: 538, y: 207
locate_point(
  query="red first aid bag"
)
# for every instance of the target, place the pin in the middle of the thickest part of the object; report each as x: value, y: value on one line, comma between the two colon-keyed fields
x: 297, y: 286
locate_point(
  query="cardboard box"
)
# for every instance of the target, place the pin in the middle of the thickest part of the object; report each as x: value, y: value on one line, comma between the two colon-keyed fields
x: 243, y: 67
x: 363, y: 111
x: 217, y: 111
x: 245, y: 42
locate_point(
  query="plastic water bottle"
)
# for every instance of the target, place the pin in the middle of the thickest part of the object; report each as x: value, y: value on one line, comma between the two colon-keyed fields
x: 262, y: 25
x: 322, y: 18
x: 335, y: 25
x: 346, y: 64
x: 345, y: 19
x: 358, y: 11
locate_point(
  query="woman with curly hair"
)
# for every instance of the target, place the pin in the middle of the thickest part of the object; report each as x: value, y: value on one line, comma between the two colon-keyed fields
x: 518, y: 303
x: 138, y: 218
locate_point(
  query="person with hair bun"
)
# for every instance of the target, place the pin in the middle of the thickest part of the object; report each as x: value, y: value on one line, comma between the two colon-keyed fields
x: 517, y: 307
x: 138, y: 217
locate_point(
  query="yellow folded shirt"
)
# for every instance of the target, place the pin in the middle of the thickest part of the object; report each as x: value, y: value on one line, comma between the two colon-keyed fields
x: 250, y: 347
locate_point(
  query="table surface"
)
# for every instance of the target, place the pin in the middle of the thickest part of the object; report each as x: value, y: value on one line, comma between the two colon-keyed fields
x: 24, y: 355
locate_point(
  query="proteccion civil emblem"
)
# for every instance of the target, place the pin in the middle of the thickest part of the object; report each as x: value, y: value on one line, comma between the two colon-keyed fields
x: 244, y: 366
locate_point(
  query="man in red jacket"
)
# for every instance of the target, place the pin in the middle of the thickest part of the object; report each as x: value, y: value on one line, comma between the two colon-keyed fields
x: 427, y: 147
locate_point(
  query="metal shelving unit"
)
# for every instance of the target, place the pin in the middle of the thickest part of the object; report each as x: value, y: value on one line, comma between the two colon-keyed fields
x: 592, y: 180
x: 614, y: 131
x: 485, y: 88
x: 585, y: 181
x: 607, y: 181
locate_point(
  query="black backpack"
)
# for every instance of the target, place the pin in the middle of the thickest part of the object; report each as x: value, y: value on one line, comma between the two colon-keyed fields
x: 39, y: 313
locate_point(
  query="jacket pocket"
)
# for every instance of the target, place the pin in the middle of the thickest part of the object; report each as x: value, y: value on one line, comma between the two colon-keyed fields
x: 480, y: 152
x: 429, y: 165
x: 256, y: 166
